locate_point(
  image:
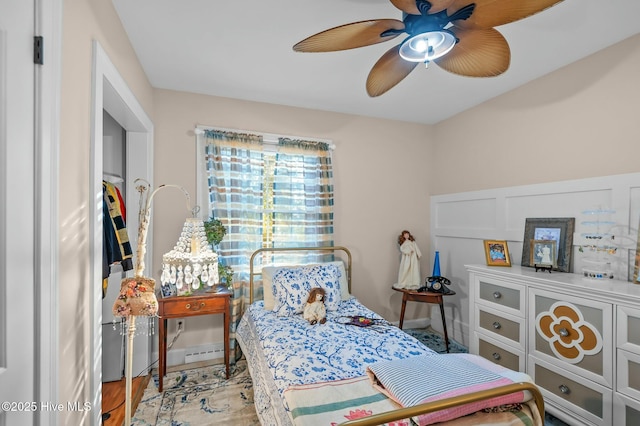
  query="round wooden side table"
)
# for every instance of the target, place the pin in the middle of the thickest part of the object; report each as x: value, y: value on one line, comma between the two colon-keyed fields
x: 425, y: 297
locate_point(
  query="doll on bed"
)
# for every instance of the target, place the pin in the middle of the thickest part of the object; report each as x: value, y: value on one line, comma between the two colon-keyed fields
x: 314, y: 310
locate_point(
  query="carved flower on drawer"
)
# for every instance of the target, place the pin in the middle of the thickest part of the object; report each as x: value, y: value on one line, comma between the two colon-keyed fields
x: 569, y: 335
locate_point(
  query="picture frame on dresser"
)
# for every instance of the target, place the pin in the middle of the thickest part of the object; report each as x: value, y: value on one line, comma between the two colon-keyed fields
x: 560, y: 230
x: 497, y: 253
x: 543, y: 253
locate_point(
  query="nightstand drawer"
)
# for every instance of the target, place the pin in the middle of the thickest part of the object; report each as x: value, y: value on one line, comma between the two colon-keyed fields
x: 587, y: 399
x: 494, y: 352
x: 193, y: 305
x: 503, y: 327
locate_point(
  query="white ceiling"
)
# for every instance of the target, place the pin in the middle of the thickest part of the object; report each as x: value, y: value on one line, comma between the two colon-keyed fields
x: 243, y: 49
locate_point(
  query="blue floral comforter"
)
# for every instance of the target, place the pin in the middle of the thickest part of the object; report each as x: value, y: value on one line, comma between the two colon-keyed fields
x: 298, y: 353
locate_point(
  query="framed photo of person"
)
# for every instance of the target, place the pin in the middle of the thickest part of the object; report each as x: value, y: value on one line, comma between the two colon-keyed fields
x: 497, y: 253
x: 543, y: 253
x: 559, y: 230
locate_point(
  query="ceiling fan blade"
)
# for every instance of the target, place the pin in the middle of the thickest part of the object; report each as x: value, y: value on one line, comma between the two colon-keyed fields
x: 492, y: 13
x: 479, y: 53
x: 411, y: 7
x: 350, y: 36
x: 390, y: 70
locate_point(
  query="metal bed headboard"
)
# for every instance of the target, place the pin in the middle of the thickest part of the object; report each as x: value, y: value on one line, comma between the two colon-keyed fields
x: 296, y: 249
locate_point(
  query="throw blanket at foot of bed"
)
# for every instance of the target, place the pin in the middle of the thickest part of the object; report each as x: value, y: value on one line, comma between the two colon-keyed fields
x: 335, y: 402
x: 423, y: 379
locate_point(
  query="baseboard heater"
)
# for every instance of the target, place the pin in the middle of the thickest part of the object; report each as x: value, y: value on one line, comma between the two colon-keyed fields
x: 204, y: 352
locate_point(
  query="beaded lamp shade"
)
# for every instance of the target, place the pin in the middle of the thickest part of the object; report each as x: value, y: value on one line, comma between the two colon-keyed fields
x: 191, y: 264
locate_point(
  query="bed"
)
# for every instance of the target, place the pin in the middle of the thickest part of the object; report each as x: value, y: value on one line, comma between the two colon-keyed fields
x: 357, y: 368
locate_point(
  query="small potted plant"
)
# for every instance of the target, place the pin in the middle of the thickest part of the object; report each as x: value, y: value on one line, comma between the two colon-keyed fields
x: 216, y: 231
x: 226, y: 274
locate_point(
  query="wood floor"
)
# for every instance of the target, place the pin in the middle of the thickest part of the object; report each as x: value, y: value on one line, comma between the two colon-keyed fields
x: 113, y: 399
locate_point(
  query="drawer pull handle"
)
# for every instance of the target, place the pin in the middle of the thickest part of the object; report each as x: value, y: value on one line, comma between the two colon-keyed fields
x: 564, y: 389
x: 497, y: 295
x: 497, y: 325
x: 496, y: 356
x: 195, y: 307
x: 564, y: 332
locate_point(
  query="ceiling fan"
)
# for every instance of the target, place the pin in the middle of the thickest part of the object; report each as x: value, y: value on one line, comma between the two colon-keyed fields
x: 458, y: 35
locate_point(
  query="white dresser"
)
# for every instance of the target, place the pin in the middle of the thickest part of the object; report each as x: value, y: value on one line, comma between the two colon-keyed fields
x: 578, y: 339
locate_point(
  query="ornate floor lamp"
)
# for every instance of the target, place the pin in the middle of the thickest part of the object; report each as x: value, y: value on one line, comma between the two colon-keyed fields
x: 137, y: 294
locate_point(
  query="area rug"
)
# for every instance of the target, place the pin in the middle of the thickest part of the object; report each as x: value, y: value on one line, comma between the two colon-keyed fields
x: 435, y: 341
x: 202, y: 396
x: 197, y: 397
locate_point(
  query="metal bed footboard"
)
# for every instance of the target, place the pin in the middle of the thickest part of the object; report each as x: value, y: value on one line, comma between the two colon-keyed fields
x: 430, y: 407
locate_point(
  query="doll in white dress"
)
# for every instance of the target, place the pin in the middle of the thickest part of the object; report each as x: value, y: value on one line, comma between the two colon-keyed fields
x: 314, y: 310
x: 409, y: 273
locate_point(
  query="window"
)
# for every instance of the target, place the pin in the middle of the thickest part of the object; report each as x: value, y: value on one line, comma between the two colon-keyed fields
x: 267, y: 194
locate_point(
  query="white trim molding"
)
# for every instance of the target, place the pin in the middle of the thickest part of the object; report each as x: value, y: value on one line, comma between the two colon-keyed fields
x: 48, y: 23
x: 111, y: 93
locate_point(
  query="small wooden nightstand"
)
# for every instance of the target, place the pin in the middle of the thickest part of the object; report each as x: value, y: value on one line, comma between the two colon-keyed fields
x: 191, y: 306
x: 425, y: 297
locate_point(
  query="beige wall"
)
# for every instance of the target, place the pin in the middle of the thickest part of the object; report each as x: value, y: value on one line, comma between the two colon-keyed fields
x: 580, y: 121
x: 83, y: 21
x: 380, y: 172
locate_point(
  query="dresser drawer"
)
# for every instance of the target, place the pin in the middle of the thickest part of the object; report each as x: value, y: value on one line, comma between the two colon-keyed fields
x: 626, y: 411
x: 628, y: 374
x: 502, y: 295
x: 574, y: 333
x: 589, y: 400
x: 503, y: 327
x: 500, y: 354
x: 188, y: 305
x: 628, y: 329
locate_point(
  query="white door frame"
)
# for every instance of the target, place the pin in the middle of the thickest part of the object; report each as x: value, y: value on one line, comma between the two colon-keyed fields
x: 111, y: 93
x: 48, y: 24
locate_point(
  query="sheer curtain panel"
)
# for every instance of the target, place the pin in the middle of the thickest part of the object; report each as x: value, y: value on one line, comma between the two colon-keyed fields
x: 267, y: 195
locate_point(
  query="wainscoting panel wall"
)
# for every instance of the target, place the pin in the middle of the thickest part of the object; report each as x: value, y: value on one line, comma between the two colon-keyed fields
x: 461, y: 221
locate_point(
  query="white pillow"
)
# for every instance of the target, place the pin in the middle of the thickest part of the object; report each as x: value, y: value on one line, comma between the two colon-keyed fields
x: 269, y: 271
x: 267, y: 286
x: 291, y: 287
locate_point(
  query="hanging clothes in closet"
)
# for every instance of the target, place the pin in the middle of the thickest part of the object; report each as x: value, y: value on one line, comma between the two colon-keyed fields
x: 116, y: 248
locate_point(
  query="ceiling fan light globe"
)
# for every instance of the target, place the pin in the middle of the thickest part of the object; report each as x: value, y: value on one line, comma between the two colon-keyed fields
x: 427, y: 46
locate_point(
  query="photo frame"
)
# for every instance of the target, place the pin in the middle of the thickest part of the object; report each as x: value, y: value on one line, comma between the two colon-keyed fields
x: 559, y: 230
x: 543, y: 253
x: 497, y: 253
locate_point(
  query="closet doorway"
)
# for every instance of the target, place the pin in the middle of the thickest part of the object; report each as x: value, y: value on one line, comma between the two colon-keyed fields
x: 114, y: 163
x: 112, y: 98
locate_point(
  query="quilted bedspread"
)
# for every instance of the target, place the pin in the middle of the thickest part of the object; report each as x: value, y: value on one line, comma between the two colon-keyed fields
x: 299, y: 353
